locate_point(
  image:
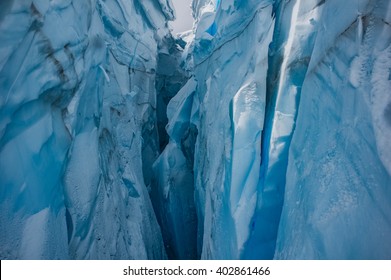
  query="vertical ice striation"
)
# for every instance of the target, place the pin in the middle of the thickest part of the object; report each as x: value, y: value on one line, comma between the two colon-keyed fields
x: 78, y: 126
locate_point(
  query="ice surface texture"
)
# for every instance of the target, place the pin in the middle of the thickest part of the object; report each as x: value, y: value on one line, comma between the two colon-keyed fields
x: 78, y: 115
x: 276, y: 145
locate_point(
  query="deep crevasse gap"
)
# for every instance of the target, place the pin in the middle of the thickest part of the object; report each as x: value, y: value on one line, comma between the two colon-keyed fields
x: 175, y: 211
x: 173, y: 184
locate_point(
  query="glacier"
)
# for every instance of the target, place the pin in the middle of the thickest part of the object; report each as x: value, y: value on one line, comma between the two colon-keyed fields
x: 262, y: 133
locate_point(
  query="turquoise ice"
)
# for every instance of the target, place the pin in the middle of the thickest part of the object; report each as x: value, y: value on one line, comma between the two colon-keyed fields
x: 262, y: 133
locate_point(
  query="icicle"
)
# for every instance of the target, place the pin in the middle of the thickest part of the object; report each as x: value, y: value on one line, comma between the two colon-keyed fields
x: 360, y: 29
x: 105, y: 73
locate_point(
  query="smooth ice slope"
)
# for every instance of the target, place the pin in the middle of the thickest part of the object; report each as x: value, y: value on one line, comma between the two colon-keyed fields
x: 77, y: 82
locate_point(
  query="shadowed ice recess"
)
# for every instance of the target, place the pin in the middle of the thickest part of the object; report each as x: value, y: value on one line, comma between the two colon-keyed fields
x: 261, y: 133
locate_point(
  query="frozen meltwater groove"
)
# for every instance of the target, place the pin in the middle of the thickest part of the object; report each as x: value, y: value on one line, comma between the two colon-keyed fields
x: 262, y: 133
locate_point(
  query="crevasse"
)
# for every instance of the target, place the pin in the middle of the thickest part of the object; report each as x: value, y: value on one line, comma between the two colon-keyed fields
x: 262, y: 133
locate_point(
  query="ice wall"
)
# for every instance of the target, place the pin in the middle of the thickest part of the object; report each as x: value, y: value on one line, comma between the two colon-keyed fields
x: 78, y: 126
x: 338, y: 184
x: 291, y: 106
